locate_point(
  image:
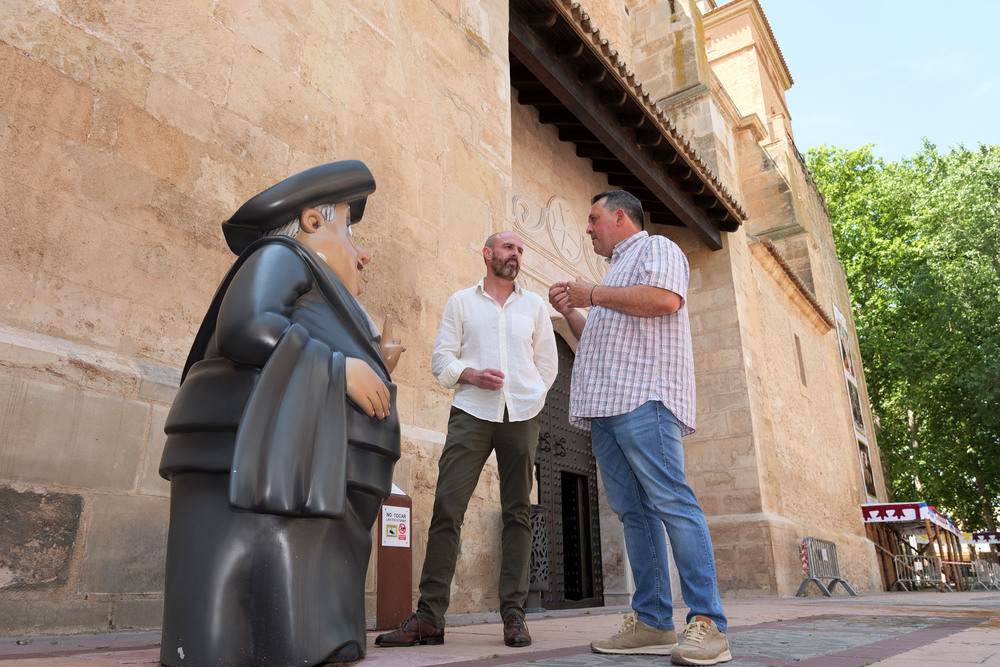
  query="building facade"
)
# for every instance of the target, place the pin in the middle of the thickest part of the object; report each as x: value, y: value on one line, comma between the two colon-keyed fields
x: 130, y: 131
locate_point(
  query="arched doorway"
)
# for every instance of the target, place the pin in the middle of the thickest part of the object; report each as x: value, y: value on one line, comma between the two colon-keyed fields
x: 566, y: 483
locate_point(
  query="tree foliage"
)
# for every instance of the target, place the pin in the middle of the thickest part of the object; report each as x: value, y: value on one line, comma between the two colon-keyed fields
x: 919, y: 242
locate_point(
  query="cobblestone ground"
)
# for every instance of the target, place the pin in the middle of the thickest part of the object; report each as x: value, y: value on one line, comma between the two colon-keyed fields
x: 805, y: 642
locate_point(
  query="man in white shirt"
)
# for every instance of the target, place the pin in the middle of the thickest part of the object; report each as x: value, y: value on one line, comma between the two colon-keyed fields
x: 496, y: 347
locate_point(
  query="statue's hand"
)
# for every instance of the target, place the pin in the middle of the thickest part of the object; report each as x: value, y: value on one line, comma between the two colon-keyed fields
x: 391, y: 347
x: 366, y: 388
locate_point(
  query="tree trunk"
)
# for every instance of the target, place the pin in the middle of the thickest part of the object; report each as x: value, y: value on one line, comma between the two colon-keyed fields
x: 912, y: 422
x: 989, y: 519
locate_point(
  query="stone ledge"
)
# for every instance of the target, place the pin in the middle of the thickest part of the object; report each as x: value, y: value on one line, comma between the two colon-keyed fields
x: 33, y: 617
x: 137, y: 614
x: 36, y: 356
x: 776, y: 266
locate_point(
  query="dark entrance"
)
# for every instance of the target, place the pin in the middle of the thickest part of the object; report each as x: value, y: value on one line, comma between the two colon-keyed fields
x: 567, y: 490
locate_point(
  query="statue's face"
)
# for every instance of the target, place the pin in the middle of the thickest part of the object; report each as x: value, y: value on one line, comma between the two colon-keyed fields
x: 333, y: 241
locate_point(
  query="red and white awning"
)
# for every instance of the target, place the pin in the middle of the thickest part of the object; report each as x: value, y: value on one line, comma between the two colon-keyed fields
x: 911, y: 516
x: 986, y: 537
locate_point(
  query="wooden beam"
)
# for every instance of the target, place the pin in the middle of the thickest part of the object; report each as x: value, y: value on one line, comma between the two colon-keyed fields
x: 592, y: 151
x: 610, y: 167
x: 536, y: 98
x: 556, y: 116
x: 649, y: 139
x: 570, y: 50
x: 544, y: 20
x: 577, y: 135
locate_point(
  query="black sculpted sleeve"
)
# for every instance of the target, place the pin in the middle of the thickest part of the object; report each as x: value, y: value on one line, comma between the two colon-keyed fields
x: 258, y: 304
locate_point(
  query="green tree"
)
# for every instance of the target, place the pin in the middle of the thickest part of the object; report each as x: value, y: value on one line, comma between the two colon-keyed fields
x: 919, y: 243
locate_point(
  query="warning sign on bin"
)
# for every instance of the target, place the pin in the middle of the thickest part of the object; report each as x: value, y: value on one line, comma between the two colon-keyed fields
x: 395, y: 526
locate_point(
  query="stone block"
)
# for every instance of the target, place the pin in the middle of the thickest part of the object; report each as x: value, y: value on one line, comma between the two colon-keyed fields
x: 276, y: 29
x: 432, y: 408
x: 268, y: 97
x: 35, y: 617
x: 715, y: 318
x: 111, y: 186
x: 67, y: 49
x: 706, y: 299
x: 35, y: 161
x: 21, y: 252
x: 72, y: 311
x: 729, y: 400
x: 37, y: 533
x: 716, y: 382
x: 159, y: 383
x: 184, y: 40
x: 69, y: 437
x: 33, y: 90
x: 126, y: 546
x: 739, y: 421
x: 163, y: 319
x: 154, y: 146
x: 724, y: 453
x: 721, y: 502
x: 705, y: 343
x: 152, y: 484
x: 137, y: 614
x: 731, y: 358
x: 710, y: 425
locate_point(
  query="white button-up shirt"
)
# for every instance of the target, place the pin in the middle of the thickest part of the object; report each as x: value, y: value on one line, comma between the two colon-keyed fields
x: 515, y: 338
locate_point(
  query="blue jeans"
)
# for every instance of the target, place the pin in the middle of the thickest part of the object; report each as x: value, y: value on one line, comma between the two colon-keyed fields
x: 642, y: 465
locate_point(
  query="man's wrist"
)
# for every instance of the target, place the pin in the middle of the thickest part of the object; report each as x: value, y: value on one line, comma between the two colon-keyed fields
x: 592, y: 288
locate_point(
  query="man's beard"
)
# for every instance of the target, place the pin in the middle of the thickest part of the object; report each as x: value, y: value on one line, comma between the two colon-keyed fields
x: 502, y: 269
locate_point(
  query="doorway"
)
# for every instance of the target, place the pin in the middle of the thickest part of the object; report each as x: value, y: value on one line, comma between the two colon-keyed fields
x: 566, y: 484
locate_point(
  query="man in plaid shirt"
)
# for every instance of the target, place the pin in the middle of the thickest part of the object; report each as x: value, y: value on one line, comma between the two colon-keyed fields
x: 633, y: 389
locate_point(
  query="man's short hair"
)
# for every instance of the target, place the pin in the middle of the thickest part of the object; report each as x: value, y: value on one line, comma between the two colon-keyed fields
x: 626, y: 201
x: 490, y: 240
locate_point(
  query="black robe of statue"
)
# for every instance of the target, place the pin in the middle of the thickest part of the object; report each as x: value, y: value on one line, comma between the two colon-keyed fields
x: 276, y: 478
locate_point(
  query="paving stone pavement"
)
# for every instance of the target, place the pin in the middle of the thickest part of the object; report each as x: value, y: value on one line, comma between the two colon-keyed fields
x: 920, y: 629
x: 807, y: 642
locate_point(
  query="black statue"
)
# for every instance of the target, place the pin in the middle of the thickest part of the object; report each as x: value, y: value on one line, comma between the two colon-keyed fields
x: 281, y: 440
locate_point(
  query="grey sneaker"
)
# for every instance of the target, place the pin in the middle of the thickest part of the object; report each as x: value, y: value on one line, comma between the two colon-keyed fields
x: 703, y: 644
x: 637, y: 638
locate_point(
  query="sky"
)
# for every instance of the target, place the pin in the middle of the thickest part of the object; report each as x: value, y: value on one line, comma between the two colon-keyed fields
x: 890, y: 72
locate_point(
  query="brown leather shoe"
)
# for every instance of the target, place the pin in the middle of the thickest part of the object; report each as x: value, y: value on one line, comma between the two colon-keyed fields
x: 412, y: 631
x: 515, y: 631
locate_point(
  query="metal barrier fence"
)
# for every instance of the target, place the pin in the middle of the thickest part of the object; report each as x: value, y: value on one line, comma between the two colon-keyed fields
x: 963, y: 573
x: 918, y: 571
x: 820, y: 562
x: 986, y: 575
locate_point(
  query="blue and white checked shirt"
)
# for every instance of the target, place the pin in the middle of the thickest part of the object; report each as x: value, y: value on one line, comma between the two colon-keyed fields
x: 622, y: 360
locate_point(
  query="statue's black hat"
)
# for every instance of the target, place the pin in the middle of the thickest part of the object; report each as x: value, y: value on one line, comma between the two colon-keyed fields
x: 343, y: 182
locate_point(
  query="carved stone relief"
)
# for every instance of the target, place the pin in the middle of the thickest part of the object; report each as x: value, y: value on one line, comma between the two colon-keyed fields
x: 555, y: 235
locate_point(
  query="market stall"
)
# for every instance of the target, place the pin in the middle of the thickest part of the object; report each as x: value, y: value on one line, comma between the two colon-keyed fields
x: 937, y: 563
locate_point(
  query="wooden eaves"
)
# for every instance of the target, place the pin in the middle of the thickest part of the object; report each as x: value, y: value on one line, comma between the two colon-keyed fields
x: 562, y: 66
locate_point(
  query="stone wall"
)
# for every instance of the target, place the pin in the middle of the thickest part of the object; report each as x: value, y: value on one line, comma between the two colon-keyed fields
x: 128, y: 132
x: 84, y: 514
